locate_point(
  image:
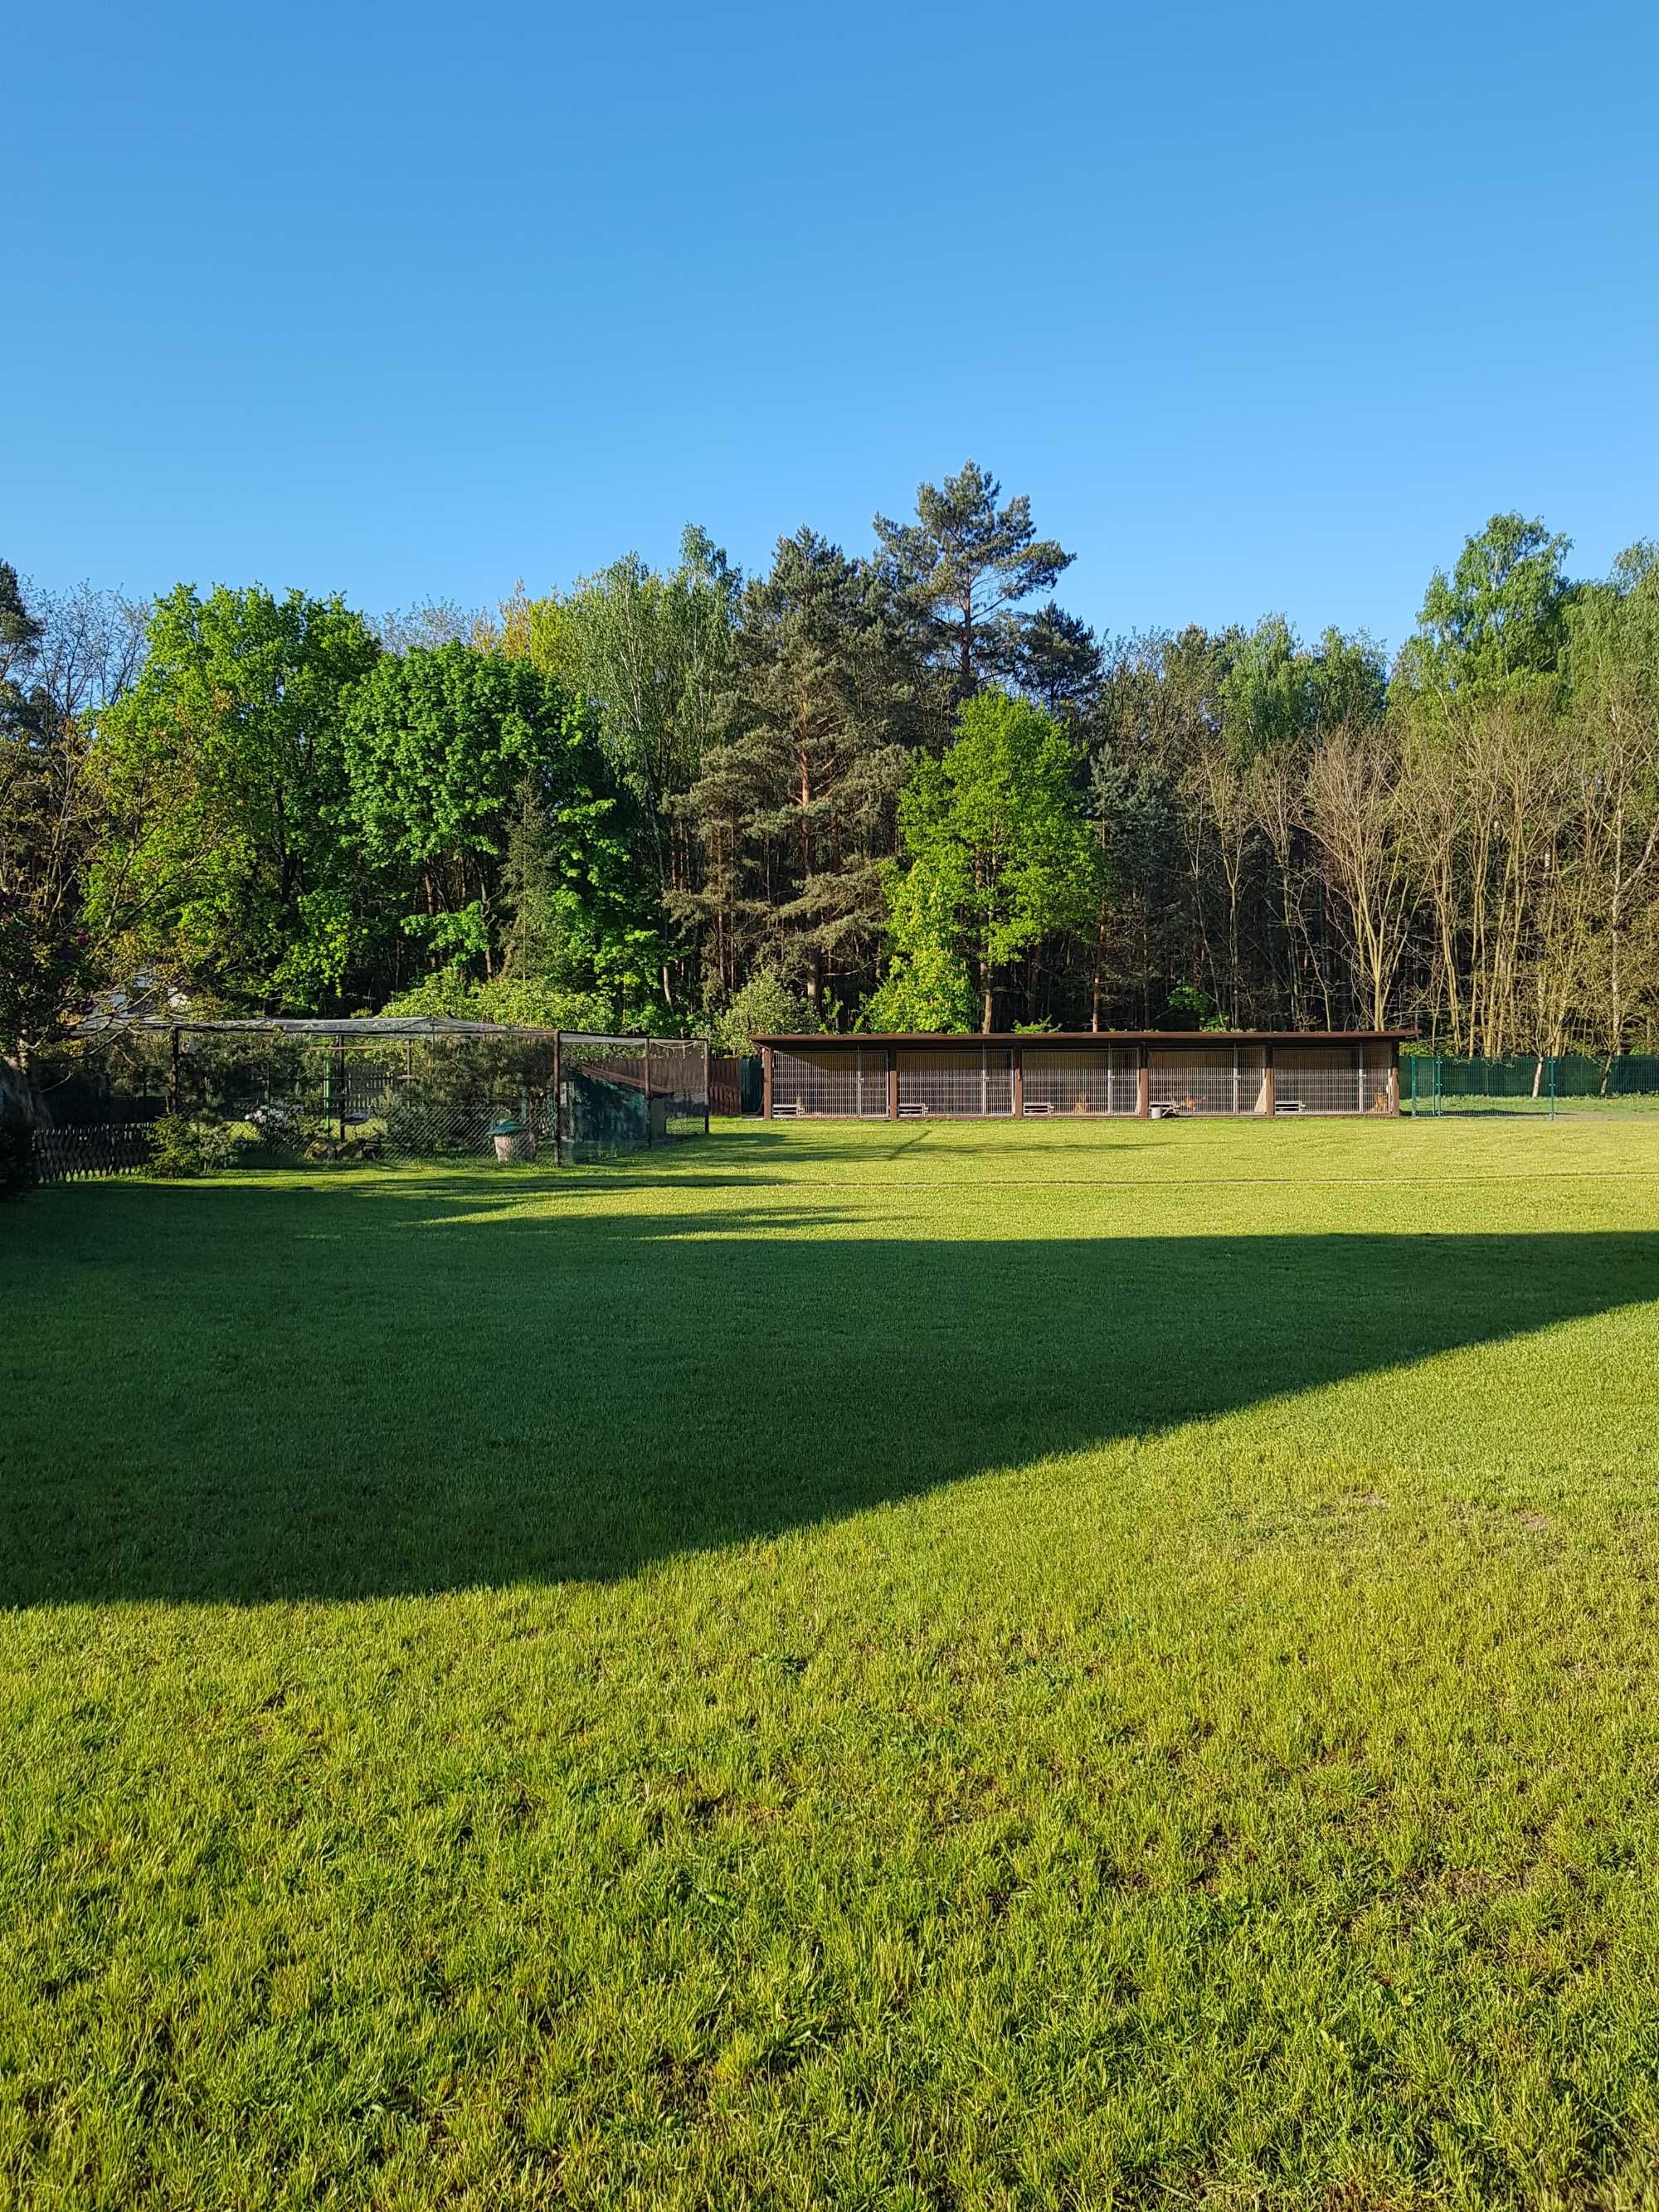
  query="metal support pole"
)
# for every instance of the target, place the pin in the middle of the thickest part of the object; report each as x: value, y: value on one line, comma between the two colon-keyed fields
x: 558, y: 1094
x: 892, y: 1084
x: 705, y: 1086
x: 173, y: 1075
x: 339, y: 1070
x: 765, y: 1082
x: 647, y: 1093
x: 1019, y: 1082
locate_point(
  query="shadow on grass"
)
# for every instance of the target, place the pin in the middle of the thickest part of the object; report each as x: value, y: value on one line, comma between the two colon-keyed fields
x: 247, y: 1393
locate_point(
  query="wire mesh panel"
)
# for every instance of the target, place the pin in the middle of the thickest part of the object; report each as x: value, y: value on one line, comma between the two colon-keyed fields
x: 619, y: 1093
x: 676, y: 1075
x: 1081, y: 1080
x: 1196, y: 1080
x: 604, y: 1106
x: 966, y: 1082
x: 265, y: 1094
x: 372, y: 1096
x: 1630, y: 1081
x: 119, y: 1079
x: 1250, y: 1079
x: 850, y: 1085
x: 1528, y: 1083
x: 1320, y: 1080
x: 1377, y: 1094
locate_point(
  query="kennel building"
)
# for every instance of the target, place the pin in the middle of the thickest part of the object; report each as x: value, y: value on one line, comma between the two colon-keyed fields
x: 1153, y: 1074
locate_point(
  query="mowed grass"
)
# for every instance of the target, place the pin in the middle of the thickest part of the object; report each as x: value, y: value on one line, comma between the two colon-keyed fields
x: 937, y: 1667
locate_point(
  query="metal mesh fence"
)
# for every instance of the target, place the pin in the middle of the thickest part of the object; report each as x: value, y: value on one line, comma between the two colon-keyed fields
x: 623, y: 1094
x: 1327, y: 1082
x: 1081, y: 1080
x: 274, y: 1094
x: 963, y: 1084
x: 1197, y: 1079
x: 851, y: 1085
x: 1528, y: 1083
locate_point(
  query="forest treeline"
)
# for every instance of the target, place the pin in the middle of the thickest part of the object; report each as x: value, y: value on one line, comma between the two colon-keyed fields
x: 902, y: 789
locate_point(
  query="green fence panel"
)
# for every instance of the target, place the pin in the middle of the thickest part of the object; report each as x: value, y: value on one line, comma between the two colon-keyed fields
x: 1523, y: 1083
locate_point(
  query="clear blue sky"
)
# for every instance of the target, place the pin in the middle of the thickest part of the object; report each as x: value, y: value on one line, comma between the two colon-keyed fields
x: 1265, y: 307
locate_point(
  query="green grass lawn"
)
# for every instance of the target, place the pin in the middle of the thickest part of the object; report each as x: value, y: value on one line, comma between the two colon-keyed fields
x: 922, y: 1667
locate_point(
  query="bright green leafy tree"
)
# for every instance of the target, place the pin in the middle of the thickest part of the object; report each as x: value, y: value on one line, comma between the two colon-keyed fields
x: 1001, y: 860
x: 478, y: 786
x: 1279, y: 695
x: 227, y: 757
x: 1500, y: 618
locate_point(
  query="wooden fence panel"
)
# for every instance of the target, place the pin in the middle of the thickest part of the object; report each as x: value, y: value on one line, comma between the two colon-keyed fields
x: 74, y: 1154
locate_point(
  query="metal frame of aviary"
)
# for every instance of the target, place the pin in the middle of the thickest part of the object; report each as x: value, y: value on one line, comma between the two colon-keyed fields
x: 376, y: 1089
x: 1148, y: 1074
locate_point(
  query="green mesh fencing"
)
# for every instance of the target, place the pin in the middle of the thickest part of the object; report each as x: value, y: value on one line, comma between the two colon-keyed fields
x: 1526, y: 1083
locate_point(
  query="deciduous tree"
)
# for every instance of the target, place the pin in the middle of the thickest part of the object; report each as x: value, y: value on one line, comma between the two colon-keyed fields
x: 999, y: 855
x: 226, y: 774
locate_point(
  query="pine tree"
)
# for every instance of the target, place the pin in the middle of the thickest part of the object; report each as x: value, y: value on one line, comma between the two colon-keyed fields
x: 796, y: 807
x: 962, y: 568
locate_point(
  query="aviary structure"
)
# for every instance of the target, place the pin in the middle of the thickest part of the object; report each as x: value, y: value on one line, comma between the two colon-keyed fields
x: 1150, y: 1073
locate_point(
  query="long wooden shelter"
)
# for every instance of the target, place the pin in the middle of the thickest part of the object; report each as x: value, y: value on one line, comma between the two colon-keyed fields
x: 1152, y: 1074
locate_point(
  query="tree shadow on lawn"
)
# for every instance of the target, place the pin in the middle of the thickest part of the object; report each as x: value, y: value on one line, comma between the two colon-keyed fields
x: 246, y: 1394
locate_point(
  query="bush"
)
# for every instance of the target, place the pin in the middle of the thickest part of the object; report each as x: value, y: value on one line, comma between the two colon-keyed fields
x: 183, y: 1147
x: 16, y: 1154
x: 765, y: 1006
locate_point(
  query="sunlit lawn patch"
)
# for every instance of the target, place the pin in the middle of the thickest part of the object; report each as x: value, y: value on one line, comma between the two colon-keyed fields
x: 914, y: 1667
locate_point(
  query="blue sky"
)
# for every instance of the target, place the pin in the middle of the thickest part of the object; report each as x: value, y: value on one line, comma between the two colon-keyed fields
x: 1265, y: 308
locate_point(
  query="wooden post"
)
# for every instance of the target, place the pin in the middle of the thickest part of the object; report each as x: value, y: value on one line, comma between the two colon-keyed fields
x: 1394, y: 1081
x: 892, y: 1084
x: 1144, y: 1086
x: 765, y: 1082
x: 172, y: 1075
x: 647, y: 1093
x: 1269, y: 1086
x: 705, y: 1086
x: 558, y: 1093
x: 1019, y: 1082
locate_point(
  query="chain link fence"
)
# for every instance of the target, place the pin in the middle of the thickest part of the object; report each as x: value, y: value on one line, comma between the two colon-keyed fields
x: 211, y: 1094
x: 1527, y: 1083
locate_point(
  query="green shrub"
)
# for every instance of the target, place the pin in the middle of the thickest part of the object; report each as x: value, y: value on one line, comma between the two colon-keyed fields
x: 183, y: 1147
x: 765, y: 1006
